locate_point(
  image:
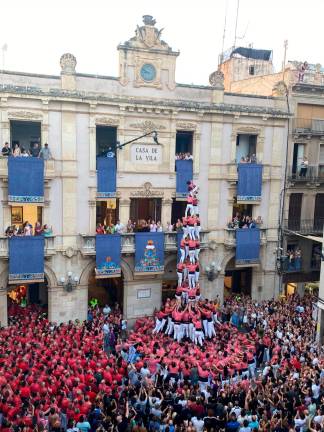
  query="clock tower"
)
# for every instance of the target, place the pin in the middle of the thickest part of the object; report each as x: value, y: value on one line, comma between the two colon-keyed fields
x: 146, y: 60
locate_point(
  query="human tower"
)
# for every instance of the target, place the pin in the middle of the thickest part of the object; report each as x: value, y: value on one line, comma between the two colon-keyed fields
x: 188, y: 317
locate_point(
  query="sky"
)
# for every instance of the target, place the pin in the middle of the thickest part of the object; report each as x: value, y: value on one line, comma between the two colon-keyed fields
x: 38, y: 32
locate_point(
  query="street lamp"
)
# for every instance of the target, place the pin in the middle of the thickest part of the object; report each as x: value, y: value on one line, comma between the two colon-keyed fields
x: 69, y: 283
x: 153, y: 133
x: 212, y: 271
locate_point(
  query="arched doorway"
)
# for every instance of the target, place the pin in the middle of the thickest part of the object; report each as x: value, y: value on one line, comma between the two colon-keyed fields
x: 237, y: 280
x: 170, y: 280
x: 28, y: 294
x: 107, y: 291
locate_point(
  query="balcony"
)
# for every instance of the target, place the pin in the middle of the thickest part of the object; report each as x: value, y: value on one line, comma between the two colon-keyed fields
x: 230, y: 237
x: 302, y: 126
x: 49, y: 247
x: 314, y: 175
x: 304, y: 226
x: 48, y: 174
x: 88, y: 243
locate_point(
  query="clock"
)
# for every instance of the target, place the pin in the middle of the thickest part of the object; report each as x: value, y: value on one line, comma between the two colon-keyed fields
x: 148, y: 72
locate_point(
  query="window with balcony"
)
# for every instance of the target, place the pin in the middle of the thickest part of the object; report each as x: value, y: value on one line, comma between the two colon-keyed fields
x: 246, y: 148
x: 319, y: 213
x: 294, y: 213
x: 106, y: 139
x: 145, y: 209
x: 107, y: 212
x: 184, y: 143
x: 178, y: 210
x: 298, y: 155
x: 251, y: 70
x: 25, y: 135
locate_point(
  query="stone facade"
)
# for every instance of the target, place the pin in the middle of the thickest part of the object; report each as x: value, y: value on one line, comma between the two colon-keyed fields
x: 72, y: 105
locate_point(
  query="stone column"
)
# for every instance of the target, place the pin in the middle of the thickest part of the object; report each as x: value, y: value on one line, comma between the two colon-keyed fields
x: 64, y: 306
x: 92, y: 139
x: 5, y: 124
x: 92, y: 217
x: 44, y: 138
x: 124, y: 209
x: 3, y: 308
x: 166, y: 211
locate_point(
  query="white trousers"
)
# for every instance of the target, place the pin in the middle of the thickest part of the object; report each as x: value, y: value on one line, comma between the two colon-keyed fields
x: 192, y: 253
x: 195, y: 210
x: 205, y: 325
x: 197, y: 232
x: 170, y: 327
x: 192, y: 232
x: 185, y: 231
x: 180, y: 278
x: 177, y: 332
x: 183, y: 255
x: 197, y: 276
x: 189, y: 208
x: 199, y: 337
x: 197, y: 251
x: 192, y: 331
x: 185, y: 330
x: 157, y: 325
x: 191, y: 279
x: 211, y: 329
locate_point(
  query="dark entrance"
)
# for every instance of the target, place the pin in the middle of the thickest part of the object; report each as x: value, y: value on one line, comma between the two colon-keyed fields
x: 178, y: 210
x: 106, y: 139
x: 237, y: 281
x: 35, y: 294
x: 108, y: 291
x: 145, y: 208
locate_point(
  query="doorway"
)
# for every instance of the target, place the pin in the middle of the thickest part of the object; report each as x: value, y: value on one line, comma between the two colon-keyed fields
x: 27, y: 295
x: 145, y: 208
x: 106, y: 140
x: 237, y: 281
x: 107, y: 291
x: 107, y: 212
x: 178, y: 210
x: 245, y: 146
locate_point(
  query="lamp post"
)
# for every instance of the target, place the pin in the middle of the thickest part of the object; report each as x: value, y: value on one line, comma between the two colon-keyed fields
x: 69, y: 283
x: 153, y: 133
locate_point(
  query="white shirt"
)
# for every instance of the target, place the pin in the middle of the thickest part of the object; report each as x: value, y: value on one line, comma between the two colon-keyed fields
x: 119, y: 228
x: 198, y: 424
x: 316, y: 391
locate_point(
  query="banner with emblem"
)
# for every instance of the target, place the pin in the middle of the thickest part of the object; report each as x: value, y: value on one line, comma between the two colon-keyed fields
x: 25, y: 180
x: 149, y: 253
x: 108, y: 255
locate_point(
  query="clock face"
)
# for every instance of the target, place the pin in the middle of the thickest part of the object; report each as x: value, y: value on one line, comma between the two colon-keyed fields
x: 148, y: 72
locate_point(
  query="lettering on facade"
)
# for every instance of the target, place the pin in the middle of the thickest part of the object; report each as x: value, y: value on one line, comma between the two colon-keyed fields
x: 146, y: 154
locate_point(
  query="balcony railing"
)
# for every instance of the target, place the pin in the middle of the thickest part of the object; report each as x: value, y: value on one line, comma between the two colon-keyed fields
x: 230, y: 237
x: 304, y: 226
x: 308, y: 126
x: 312, y: 174
x: 48, y: 174
x: 49, y: 250
x: 292, y: 265
x: 88, y: 242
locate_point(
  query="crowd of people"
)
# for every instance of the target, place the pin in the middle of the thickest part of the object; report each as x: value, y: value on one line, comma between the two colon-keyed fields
x: 262, y: 372
x: 142, y: 225
x: 183, y: 156
x: 248, y: 159
x: 34, y: 151
x: 244, y: 221
x: 27, y: 229
x: 294, y: 259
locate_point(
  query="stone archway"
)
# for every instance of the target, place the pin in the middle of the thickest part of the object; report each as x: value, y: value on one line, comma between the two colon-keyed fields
x: 236, y: 280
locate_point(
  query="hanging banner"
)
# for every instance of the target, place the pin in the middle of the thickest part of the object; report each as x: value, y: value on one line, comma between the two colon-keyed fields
x: 247, y: 246
x: 249, y: 186
x: 25, y: 180
x: 184, y: 173
x: 108, y: 254
x: 26, y: 259
x: 149, y: 253
x: 106, y: 177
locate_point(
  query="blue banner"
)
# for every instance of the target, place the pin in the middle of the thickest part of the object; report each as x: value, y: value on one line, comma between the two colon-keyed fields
x: 106, y: 177
x: 108, y: 252
x: 149, y: 252
x: 26, y: 259
x: 247, y: 246
x: 25, y: 180
x: 249, y: 186
x: 184, y: 173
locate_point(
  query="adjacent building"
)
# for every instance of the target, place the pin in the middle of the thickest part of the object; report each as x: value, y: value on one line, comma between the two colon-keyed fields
x: 83, y: 117
x: 301, y: 85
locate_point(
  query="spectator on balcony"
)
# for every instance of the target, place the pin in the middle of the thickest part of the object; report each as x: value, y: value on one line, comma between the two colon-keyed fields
x: 16, y: 151
x: 47, y: 231
x: 159, y: 226
x: 24, y: 153
x: 45, y: 152
x: 130, y: 226
x: 110, y: 229
x: 100, y: 229
x: 6, y: 150
x: 119, y: 227
x: 169, y: 227
x: 301, y: 71
x: 178, y: 226
x: 303, y: 167
x: 27, y: 229
x: 253, y: 159
x: 35, y: 150
x: 153, y: 226
x: 38, y: 230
